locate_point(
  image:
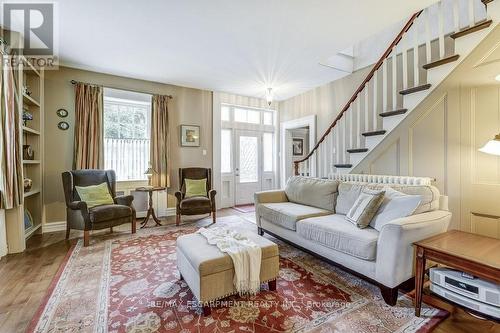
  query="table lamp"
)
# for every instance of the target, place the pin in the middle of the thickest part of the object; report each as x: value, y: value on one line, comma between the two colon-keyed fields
x: 149, y: 173
x: 492, y: 147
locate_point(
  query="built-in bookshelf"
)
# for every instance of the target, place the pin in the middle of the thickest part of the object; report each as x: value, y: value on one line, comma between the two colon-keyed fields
x: 26, y: 220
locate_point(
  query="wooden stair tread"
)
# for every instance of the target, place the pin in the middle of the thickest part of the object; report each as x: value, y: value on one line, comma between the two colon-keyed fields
x: 374, y: 133
x: 415, y: 89
x: 469, y: 30
x: 357, y: 150
x: 343, y: 166
x: 440, y: 62
x: 393, y: 113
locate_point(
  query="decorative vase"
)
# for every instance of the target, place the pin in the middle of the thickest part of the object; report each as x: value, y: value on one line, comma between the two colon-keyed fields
x: 28, y: 153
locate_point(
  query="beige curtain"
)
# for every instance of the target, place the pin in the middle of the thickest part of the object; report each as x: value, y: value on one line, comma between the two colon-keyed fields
x: 88, y: 127
x: 11, y: 182
x: 160, y: 141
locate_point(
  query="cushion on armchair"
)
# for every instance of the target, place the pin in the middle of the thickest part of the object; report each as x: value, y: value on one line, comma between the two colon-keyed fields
x: 196, y: 187
x: 95, y: 195
x: 104, y: 213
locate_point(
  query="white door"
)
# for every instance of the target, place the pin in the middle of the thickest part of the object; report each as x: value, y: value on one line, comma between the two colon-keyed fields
x: 248, y: 166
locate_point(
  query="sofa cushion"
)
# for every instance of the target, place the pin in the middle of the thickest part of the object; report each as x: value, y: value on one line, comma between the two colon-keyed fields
x: 207, y: 259
x: 395, y: 205
x: 109, y: 212
x: 334, y: 232
x: 286, y: 214
x: 320, y: 193
x: 365, y: 207
x: 349, y: 192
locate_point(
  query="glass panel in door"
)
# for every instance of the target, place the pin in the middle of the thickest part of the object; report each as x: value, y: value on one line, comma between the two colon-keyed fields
x: 247, y: 171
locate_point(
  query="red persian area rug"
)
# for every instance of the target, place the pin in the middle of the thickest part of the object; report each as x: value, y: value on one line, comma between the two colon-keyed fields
x: 130, y: 283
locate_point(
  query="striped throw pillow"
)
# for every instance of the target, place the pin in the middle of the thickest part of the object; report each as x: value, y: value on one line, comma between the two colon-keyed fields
x: 365, y: 207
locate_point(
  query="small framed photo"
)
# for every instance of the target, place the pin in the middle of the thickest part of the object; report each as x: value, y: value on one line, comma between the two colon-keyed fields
x: 190, y: 136
x: 297, y: 147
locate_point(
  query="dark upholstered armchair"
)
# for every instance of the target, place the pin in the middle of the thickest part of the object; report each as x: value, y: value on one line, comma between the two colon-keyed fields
x: 99, y: 217
x: 199, y: 204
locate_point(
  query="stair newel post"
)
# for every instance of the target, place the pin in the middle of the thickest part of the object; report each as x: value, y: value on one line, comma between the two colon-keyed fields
x: 296, y: 168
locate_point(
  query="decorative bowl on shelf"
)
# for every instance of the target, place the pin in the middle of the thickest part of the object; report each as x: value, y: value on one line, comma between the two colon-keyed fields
x: 28, y: 183
x: 28, y: 153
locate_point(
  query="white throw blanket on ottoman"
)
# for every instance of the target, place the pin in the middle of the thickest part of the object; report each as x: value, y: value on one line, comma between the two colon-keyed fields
x: 246, y: 256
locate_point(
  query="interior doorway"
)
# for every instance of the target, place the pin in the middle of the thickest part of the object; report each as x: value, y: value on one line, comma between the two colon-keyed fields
x: 298, y: 138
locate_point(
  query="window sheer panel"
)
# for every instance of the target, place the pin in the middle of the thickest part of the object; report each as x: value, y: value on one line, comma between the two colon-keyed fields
x: 226, y: 151
x: 127, y: 133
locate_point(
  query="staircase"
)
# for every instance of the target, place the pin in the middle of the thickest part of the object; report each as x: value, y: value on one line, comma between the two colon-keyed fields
x: 429, y: 47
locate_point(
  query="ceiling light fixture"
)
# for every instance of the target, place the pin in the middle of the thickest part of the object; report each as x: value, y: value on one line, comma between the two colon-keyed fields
x: 492, y: 147
x: 497, y: 77
x: 269, y: 96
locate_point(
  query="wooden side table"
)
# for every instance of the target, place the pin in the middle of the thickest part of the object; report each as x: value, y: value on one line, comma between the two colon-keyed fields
x: 151, y: 211
x: 470, y: 253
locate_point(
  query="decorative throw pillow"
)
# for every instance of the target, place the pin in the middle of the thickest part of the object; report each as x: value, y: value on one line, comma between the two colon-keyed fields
x: 196, y: 187
x: 365, y: 207
x: 394, y: 206
x: 95, y: 195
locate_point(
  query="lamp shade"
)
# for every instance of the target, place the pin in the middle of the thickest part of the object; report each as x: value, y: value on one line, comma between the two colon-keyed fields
x: 492, y: 147
x: 149, y: 171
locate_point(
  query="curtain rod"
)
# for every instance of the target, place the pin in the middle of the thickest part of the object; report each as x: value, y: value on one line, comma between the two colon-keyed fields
x: 136, y: 91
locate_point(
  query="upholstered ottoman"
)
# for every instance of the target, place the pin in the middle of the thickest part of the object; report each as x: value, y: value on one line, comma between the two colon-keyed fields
x: 210, y: 273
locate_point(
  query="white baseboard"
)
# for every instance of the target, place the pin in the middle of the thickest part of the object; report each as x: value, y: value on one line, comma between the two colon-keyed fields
x: 61, y: 225
x: 53, y: 226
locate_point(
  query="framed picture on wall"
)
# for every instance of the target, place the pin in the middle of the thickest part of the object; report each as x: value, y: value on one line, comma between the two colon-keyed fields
x: 190, y: 136
x: 297, y: 147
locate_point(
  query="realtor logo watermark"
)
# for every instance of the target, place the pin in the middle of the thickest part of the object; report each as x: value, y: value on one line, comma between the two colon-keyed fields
x: 32, y: 31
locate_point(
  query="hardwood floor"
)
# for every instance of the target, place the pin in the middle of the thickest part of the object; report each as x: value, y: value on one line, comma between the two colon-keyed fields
x: 25, y: 278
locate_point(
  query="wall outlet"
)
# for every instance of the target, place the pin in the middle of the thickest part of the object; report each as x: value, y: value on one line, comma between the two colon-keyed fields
x: 204, y: 152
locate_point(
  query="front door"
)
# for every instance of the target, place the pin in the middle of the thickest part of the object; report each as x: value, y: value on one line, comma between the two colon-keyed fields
x: 248, y: 168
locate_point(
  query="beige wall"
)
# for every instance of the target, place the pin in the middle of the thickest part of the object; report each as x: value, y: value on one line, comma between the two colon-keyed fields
x: 189, y: 106
x: 325, y: 101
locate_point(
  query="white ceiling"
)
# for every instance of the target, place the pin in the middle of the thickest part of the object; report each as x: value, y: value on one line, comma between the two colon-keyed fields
x: 237, y: 46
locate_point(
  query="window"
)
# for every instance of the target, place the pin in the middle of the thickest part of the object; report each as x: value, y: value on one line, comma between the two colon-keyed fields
x: 225, y: 150
x: 268, y: 118
x: 127, y: 133
x: 268, y: 148
x: 224, y: 113
x: 247, y: 116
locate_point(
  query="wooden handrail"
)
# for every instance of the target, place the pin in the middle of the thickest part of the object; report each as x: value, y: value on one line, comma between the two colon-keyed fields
x: 362, y: 86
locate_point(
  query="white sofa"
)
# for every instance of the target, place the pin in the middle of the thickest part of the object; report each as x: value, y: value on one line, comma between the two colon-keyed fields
x: 310, y: 213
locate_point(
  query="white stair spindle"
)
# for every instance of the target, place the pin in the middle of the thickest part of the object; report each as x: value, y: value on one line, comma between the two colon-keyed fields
x: 367, y: 108
x: 472, y: 19
x: 337, y: 143
x: 428, y: 36
x: 441, y: 30
x: 394, y: 81
x: 375, y: 100
x: 351, y: 125
x: 384, y: 86
x: 357, y: 132
x: 405, y: 61
x: 344, y: 143
x: 456, y: 15
x: 416, y: 68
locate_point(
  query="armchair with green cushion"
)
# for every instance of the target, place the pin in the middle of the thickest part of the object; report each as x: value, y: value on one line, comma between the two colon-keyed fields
x: 105, y: 210
x: 195, y: 195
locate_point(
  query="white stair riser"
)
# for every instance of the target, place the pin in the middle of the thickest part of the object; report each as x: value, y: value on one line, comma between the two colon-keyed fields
x: 373, y: 141
x: 410, y: 101
x: 391, y: 122
x: 343, y: 170
x: 464, y: 45
x: 437, y: 74
x: 356, y: 158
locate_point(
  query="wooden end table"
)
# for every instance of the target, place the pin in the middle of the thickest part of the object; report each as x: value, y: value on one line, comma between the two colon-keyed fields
x: 151, y: 211
x: 470, y: 253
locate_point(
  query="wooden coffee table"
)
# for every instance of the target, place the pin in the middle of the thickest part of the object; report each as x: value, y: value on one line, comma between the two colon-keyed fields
x: 471, y: 253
